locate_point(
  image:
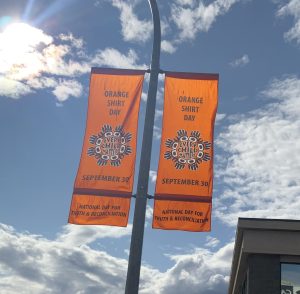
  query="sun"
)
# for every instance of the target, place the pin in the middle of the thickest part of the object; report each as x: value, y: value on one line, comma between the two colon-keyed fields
x: 20, y: 49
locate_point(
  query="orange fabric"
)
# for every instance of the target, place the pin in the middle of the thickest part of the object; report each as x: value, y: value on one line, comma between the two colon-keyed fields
x: 109, y: 149
x: 186, y: 154
x: 99, y: 210
x: 184, y: 216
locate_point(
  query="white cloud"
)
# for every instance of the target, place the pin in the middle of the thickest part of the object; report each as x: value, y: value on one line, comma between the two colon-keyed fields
x: 31, y: 60
x: 168, y: 47
x: 12, y: 88
x: 75, y: 235
x: 144, y: 96
x: 189, y: 16
x: 291, y: 8
x: 45, y: 266
x: 186, y: 2
x: 97, y: 3
x: 153, y: 176
x: 211, y: 242
x: 158, y: 114
x: 160, y: 90
x: 18, y: 56
x: 27, y: 55
x: 242, y: 61
x: 76, y: 42
x: 156, y: 132
x: 200, y: 272
x: 21, y: 37
x: 149, y: 213
x: 58, y: 266
x: 42, y: 82
x: 67, y: 88
x: 220, y: 117
x: 261, y: 173
x: 164, y: 26
x: 192, y: 18
x: 114, y: 58
x: 58, y: 61
x: 133, y: 29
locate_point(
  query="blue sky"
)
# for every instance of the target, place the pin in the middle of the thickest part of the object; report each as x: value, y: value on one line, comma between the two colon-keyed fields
x: 44, y: 73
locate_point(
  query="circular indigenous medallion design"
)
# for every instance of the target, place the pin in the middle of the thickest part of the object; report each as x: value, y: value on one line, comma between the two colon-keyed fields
x: 110, y: 146
x: 187, y: 150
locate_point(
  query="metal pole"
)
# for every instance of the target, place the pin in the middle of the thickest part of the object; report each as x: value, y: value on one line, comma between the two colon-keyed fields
x: 136, y: 246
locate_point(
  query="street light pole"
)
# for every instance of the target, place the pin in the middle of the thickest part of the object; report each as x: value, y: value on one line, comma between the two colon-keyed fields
x: 136, y: 246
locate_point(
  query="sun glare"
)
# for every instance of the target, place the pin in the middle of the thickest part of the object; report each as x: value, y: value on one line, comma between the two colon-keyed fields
x: 19, y: 52
x: 21, y: 37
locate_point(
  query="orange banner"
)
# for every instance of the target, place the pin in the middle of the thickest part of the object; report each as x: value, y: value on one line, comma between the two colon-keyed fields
x: 184, y: 216
x: 104, y: 181
x: 185, y: 172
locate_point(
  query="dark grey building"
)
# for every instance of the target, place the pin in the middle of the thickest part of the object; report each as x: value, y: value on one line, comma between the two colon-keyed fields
x: 266, y: 257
